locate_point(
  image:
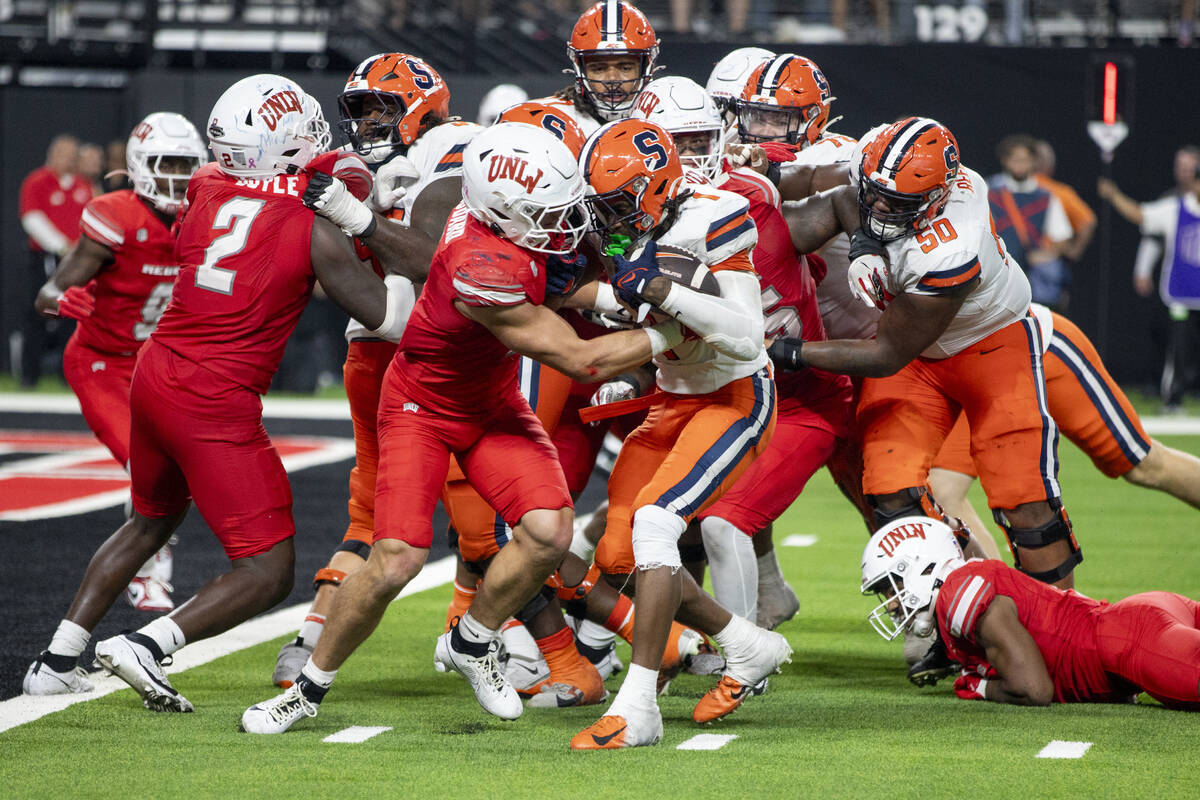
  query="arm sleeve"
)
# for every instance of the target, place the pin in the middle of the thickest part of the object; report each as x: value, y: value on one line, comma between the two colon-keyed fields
x: 731, y: 324
x: 1148, y: 252
x: 39, y: 228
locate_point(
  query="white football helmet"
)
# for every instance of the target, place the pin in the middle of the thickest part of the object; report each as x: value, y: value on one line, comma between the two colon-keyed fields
x: 524, y: 182
x: 497, y: 99
x: 683, y: 107
x: 163, y: 152
x: 264, y: 125
x: 728, y: 77
x: 904, y: 564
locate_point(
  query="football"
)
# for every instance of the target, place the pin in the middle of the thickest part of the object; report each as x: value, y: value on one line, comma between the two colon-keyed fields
x: 685, y: 268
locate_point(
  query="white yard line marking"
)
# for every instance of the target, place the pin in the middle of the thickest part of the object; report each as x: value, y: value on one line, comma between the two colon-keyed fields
x: 272, y: 407
x: 800, y: 540
x: 707, y: 741
x: 356, y: 734
x: 1061, y: 749
x: 22, y: 708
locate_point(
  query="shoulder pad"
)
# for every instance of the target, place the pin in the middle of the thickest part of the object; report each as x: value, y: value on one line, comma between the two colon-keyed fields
x: 439, y: 151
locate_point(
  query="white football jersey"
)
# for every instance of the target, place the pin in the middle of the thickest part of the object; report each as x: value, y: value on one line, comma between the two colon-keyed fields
x: 436, y: 154
x: 713, y: 225
x: 845, y: 316
x: 953, y: 249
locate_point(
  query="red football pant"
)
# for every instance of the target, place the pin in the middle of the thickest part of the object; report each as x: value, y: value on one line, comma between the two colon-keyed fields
x: 201, y: 436
x: 1153, y: 640
x: 101, y: 382
x: 505, y: 455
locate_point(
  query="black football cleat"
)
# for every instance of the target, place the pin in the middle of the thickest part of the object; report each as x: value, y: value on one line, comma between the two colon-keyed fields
x: 933, y: 666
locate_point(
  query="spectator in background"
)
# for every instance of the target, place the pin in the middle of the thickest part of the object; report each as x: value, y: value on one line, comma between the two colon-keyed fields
x: 91, y: 166
x: 682, y: 17
x: 52, y: 201
x: 1079, y: 213
x: 498, y: 98
x: 115, y: 177
x: 1031, y: 221
x: 1176, y: 219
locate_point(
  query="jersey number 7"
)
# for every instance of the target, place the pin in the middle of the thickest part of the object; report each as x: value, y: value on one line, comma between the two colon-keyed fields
x: 237, y: 215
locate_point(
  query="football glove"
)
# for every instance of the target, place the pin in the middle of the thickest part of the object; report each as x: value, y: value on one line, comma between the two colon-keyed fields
x: 630, y: 278
x: 562, y: 272
x: 622, y: 387
x: 785, y: 354
x: 388, y: 190
x: 972, y: 683
x: 76, y: 302
x: 330, y: 198
x: 868, y: 270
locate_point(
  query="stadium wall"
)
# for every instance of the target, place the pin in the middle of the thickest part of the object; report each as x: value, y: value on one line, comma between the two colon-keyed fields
x: 981, y: 93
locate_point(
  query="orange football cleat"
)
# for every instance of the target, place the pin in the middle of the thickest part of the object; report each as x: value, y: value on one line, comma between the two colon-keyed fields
x: 721, y: 700
x: 611, y: 732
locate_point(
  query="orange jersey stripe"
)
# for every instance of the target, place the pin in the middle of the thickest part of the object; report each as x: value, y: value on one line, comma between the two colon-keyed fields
x: 738, y: 261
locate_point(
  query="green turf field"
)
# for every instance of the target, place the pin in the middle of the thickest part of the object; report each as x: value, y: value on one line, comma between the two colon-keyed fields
x: 841, y: 721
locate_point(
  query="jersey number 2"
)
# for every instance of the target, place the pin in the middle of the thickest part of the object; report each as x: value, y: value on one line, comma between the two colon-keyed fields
x: 237, y: 215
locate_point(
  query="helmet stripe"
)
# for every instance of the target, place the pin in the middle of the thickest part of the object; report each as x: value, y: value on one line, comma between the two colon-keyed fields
x: 897, y: 148
x: 610, y: 21
x: 770, y: 76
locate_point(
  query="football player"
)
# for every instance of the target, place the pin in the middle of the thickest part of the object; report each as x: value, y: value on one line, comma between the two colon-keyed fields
x: 395, y: 114
x: 613, y: 53
x: 116, y: 282
x: 1021, y: 641
x: 713, y: 416
x: 249, y: 254
x: 453, y: 389
x: 814, y: 406
x: 728, y: 77
x: 955, y: 314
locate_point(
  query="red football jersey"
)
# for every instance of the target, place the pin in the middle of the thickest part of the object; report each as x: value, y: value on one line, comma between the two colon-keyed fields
x: 789, y: 299
x: 245, y: 274
x: 131, y: 292
x: 446, y: 362
x: 1062, y: 624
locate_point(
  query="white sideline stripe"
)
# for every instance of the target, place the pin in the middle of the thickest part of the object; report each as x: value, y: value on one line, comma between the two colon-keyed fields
x: 1060, y: 749
x: 272, y: 407
x: 356, y: 734
x: 800, y: 540
x: 23, y: 708
x: 1172, y: 425
x: 707, y: 741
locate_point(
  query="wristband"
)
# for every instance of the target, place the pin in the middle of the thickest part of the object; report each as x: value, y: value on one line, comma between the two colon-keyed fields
x: 606, y: 300
x: 664, y: 337
x: 982, y: 688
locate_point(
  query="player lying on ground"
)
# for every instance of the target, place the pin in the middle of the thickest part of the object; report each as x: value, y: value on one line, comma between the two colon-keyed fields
x: 1022, y: 641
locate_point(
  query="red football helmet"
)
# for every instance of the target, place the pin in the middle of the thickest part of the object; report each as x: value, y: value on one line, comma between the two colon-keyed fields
x: 785, y: 99
x: 612, y: 28
x: 389, y: 100
x: 904, y: 177
x: 634, y: 177
x: 546, y: 116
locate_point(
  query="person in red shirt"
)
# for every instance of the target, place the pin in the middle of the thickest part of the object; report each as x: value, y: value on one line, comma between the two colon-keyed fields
x: 453, y: 389
x: 249, y: 252
x: 1026, y: 642
x: 52, y: 200
x: 116, y: 282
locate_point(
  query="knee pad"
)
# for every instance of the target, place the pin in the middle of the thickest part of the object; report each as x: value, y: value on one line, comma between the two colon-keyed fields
x: 326, y: 575
x: 656, y: 533
x: 536, y: 605
x: 1057, y: 529
x: 920, y: 503
x: 578, y: 592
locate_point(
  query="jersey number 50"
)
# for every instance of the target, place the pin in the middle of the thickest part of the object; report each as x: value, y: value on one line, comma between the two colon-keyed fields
x: 237, y: 215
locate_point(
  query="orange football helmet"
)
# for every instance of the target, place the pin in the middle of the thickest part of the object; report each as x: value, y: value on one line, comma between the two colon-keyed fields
x: 546, y: 116
x: 611, y: 28
x: 634, y: 177
x: 785, y: 99
x: 389, y: 100
x: 904, y: 177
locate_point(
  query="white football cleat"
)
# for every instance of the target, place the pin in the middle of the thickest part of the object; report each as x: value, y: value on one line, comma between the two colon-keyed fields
x: 151, y: 589
x: 492, y: 689
x: 291, y: 659
x: 135, y: 664
x: 777, y: 603
x: 277, y: 714
x: 41, y: 680
x: 519, y: 657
